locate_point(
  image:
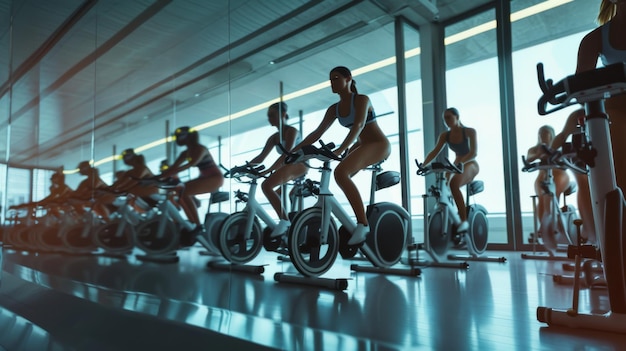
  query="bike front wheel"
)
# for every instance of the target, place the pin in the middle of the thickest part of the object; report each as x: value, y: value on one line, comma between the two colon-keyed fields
x: 309, y: 254
x: 156, y: 237
x: 439, y: 234
x: 235, y: 244
x: 115, y: 236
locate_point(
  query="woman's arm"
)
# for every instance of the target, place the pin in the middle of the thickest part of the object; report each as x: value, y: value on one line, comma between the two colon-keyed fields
x: 327, y: 121
x: 589, y: 50
x: 568, y: 129
x: 269, y: 144
x: 534, y: 153
x: 289, y: 139
x: 431, y: 155
x: 181, y: 163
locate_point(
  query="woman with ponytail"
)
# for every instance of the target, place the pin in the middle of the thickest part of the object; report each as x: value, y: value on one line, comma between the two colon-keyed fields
x: 366, y: 144
x: 607, y: 42
x: 462, y: 141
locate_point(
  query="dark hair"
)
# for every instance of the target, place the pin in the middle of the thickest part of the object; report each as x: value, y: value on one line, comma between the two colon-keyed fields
x: 280, y: 106
x: 58, y: 178
x: 186, y: 135
x: 128, y: 155
x: 454, y: 111
x: 84, y: 164
x: 344, y: 71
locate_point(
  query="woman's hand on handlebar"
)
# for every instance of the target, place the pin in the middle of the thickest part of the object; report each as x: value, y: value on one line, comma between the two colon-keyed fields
x: 309, y: 151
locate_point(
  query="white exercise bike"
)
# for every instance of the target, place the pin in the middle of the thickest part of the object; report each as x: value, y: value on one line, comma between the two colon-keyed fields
x: 595, y: 149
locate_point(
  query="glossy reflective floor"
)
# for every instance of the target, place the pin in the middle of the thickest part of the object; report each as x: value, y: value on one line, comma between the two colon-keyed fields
x: 64, y: 302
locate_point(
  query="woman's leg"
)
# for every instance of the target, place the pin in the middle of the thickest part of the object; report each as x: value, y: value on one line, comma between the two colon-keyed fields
x: 543, y: 201
x: 584, y: 207
x: 361, y: 157
x: 561, y: 182
x: 470, y: 170
x: 278, y: 178
x: 194, y: 187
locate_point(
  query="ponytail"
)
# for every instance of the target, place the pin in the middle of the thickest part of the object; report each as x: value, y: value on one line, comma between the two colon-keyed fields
x: 353, y: 87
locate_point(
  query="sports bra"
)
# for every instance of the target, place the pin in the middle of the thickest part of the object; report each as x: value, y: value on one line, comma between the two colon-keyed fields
x: 609, y: 54
x: 462, y: 148
x: 295, y: 142
x: 348, y: 120
x: 206, y: 163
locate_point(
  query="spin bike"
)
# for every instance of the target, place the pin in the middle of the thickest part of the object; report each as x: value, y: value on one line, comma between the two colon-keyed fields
x: 594, y: 148
x: 314, y: 239
x: 163, y: 234
x: 440, y: 233
x: 117, y: 236
x: 557, y: 226
x: 241, y: 237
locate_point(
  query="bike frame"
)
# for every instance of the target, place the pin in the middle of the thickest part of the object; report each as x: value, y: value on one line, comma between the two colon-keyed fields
x: 329, y: 205
x: 445, y: 203
x: 591, y: 88
x: 557, y: 216
x: 254, y: 209
x: 169, y: 211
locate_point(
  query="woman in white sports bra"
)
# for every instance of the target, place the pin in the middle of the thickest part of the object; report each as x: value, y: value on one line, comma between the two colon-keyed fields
x: 609, y: 43
x: 281, y: 172
x: 366, y: 143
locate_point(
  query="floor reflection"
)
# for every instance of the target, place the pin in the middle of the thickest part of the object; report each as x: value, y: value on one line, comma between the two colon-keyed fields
x: 490, y: 306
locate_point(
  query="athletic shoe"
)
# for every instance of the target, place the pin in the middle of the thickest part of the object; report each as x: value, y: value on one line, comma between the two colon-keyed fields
x: 188, y: 237
x: 463, y: 227
x: 281, y: 228
x: 359, y: 234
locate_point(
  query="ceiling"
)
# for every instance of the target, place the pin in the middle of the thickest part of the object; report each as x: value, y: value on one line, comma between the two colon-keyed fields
x: 91, y: 78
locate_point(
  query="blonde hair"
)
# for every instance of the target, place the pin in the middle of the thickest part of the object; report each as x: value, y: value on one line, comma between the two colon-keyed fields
x: 607, y: 11
x: 547, y: 128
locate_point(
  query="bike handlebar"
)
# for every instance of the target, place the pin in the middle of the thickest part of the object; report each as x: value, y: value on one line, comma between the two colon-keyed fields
x: 247, y: 170
x: 439, y: 167
x: 307, y: 152
x: 555, y: 159
x: 580, y: 88
x: 158, y: 181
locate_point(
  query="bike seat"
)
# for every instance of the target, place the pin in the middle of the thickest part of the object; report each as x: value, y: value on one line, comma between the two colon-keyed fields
x: 475, y: 187
x: 571, y: 188
x: 219, y: 196
x: 387, y: 179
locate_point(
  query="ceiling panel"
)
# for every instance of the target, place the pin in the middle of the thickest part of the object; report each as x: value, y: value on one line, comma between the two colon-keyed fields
x: 128, y: 67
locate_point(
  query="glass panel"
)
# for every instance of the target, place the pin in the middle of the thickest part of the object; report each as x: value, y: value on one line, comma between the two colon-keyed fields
x: 556, y: 45
x: 415, y: 126
x: 3, y: 192
x: 472, y: 86
x: 5, y: 58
